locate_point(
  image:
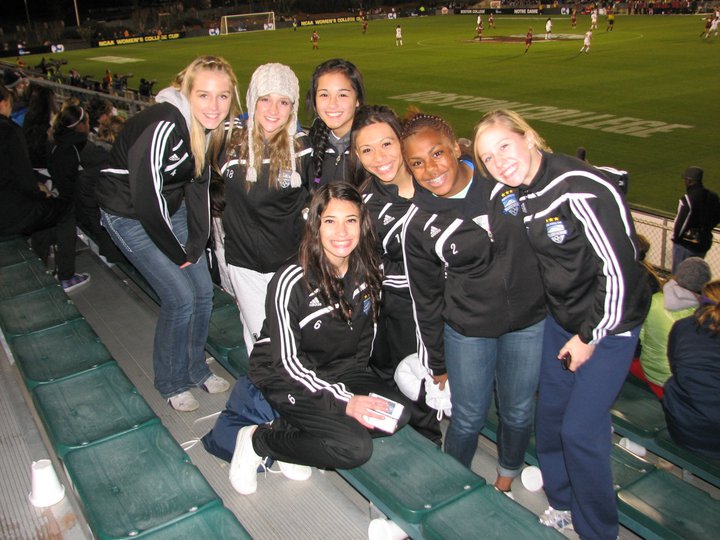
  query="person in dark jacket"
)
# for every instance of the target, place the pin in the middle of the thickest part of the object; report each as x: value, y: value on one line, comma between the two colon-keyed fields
x: 477, y: 300
x: 336, y: 91
x: 155, y: 204
x: 311, y: 361
x: 597, y: 295
x: 692, y: 393
x: 698, y: 214
x: 26, y: 206
x: 265, y: 176
x: 69, y: 137
x: 387, y: 187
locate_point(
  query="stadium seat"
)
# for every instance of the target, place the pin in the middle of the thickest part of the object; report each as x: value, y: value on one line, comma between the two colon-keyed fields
x: 637, y: 413
x: 408, y: 476
x: 136, y: 482
x: 24, y: 277
x: 15, y: 250
x: 89, y: 407
x: 36, y: 310
x: 213, y: 521
x: 48, y: 355
x: 702, y: 467
x: 484, y: 513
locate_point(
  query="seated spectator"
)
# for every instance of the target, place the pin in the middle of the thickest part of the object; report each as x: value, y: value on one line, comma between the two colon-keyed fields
x: 655, y: 281
x: 26, y: 206
x: 95, y: 157
x: 311, y: 361
x: 100, y: 110
x: 679, y: 299
x: 692, y: 394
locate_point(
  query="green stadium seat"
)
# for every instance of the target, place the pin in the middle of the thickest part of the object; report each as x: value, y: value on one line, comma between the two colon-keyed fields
x: 222, y: 298
x: 36, y: 310
x: 23, y: 277
x: 702, y: 467
x: 136, y: 482
x: 15, y: 251
x: 484, y: 513
x: 60, y: 351
x: 627, y: 467
x: 89, y: 407
x: 237, y: 361
x: 637, y: 413
x: 213, y: 521
x: 661, y: 506
x: 225, y: 332
x: 408, y: 476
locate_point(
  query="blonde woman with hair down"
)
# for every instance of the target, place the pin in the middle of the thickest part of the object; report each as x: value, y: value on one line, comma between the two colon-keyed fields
x: 597, y: 295
x: 154, y: 203
x: 692, y: 394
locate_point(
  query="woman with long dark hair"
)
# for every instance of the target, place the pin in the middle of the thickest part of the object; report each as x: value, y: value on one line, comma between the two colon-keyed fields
x: 311, y: 361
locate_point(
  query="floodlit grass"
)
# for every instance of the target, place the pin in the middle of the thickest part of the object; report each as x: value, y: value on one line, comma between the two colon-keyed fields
x: 655, y: 69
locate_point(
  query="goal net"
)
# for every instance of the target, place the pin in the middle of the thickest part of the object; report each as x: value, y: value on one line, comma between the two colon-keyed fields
x: 248, y: 22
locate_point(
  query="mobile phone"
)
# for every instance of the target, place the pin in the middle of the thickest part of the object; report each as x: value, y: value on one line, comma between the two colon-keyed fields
x: 565, y: 360
x: 390, y: 417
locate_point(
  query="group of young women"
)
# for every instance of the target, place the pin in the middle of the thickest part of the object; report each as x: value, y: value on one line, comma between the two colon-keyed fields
x: 373, y: 240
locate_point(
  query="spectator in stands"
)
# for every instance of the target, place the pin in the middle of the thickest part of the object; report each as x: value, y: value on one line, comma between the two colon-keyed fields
x: 655, y: 282
x: 679, y: 299
x: 94, y: 157
x: 42, y: 109
x: 597, y: 295
x: 336, y: 91
x: 478, y: 304
x: 100, y: 111
x: 107, y: 81
x: 155, y: 205
x: 265, y: 173
x: 698, y: 214
x: 387, y: 187
x: 15, y: 81
x: 69, y: 136
x: 311, y: 361
x: 692, y: 394
x: 26, y: 206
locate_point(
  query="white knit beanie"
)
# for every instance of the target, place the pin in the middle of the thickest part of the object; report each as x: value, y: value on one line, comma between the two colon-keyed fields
x: 273, y: 79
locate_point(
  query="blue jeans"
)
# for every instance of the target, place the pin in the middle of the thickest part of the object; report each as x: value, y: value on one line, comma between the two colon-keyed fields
x: 185, y: 303
x: 510, y: 364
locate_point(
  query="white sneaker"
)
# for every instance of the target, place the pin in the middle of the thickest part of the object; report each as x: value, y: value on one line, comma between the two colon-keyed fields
x: 183, y: 402
x: 299, y: 473
x: 557, y: 519
x: 245, y: 462
x: 215, y: 385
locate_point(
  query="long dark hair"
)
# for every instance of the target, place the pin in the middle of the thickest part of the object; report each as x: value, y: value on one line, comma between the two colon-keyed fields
x: 319, y: 131
x: 368, y: 115
x: 364, y: 264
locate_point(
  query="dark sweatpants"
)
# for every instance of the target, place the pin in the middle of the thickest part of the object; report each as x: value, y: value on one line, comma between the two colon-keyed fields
x: 308, y: 434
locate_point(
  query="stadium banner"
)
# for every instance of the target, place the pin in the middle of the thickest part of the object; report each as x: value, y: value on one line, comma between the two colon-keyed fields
x: 137, y: 39
x: 331, y: 20
x: 514, y: 11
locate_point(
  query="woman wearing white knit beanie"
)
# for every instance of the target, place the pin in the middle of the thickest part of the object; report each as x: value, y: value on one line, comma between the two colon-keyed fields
x: 265, y: 171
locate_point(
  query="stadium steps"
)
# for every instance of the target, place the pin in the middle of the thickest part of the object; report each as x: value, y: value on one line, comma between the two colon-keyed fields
x: 132, y: 478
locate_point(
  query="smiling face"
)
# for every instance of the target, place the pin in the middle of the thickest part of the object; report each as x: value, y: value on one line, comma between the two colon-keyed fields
x: 433, y: 160
x: 509, y: 157
x: 210, y: 97
x: 378, y: 148
x: 336, y: 101
x: 272, y: 113
x: 340, y: 232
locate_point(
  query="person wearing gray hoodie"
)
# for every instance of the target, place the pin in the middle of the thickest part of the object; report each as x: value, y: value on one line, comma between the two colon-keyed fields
x: 679, y: 298
x: 155, y: 205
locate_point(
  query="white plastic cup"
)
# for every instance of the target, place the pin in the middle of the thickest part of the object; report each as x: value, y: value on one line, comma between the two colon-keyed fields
x: 383, y: 529
x: 531, y: 478
x: 635, y: 448
x: 46, y: 488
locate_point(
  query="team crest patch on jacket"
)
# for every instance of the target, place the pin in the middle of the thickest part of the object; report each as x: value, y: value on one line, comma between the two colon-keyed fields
x: 556, y: 231
x: 510, y: 202
x: 366, y: 304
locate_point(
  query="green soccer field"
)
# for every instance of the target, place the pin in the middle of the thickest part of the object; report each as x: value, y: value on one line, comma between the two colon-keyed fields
x: 645, y: 99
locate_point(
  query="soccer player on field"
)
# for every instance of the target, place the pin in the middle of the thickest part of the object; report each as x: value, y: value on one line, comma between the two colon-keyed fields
x: 593, y: 19
x: 315, y: 38
x: 586, y: 42
x: 491, y: 21
x: 548, y: 28
x: 398, y: 36
x: 573, y: 18
x: 528, y: 39
x: 610, y: 20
